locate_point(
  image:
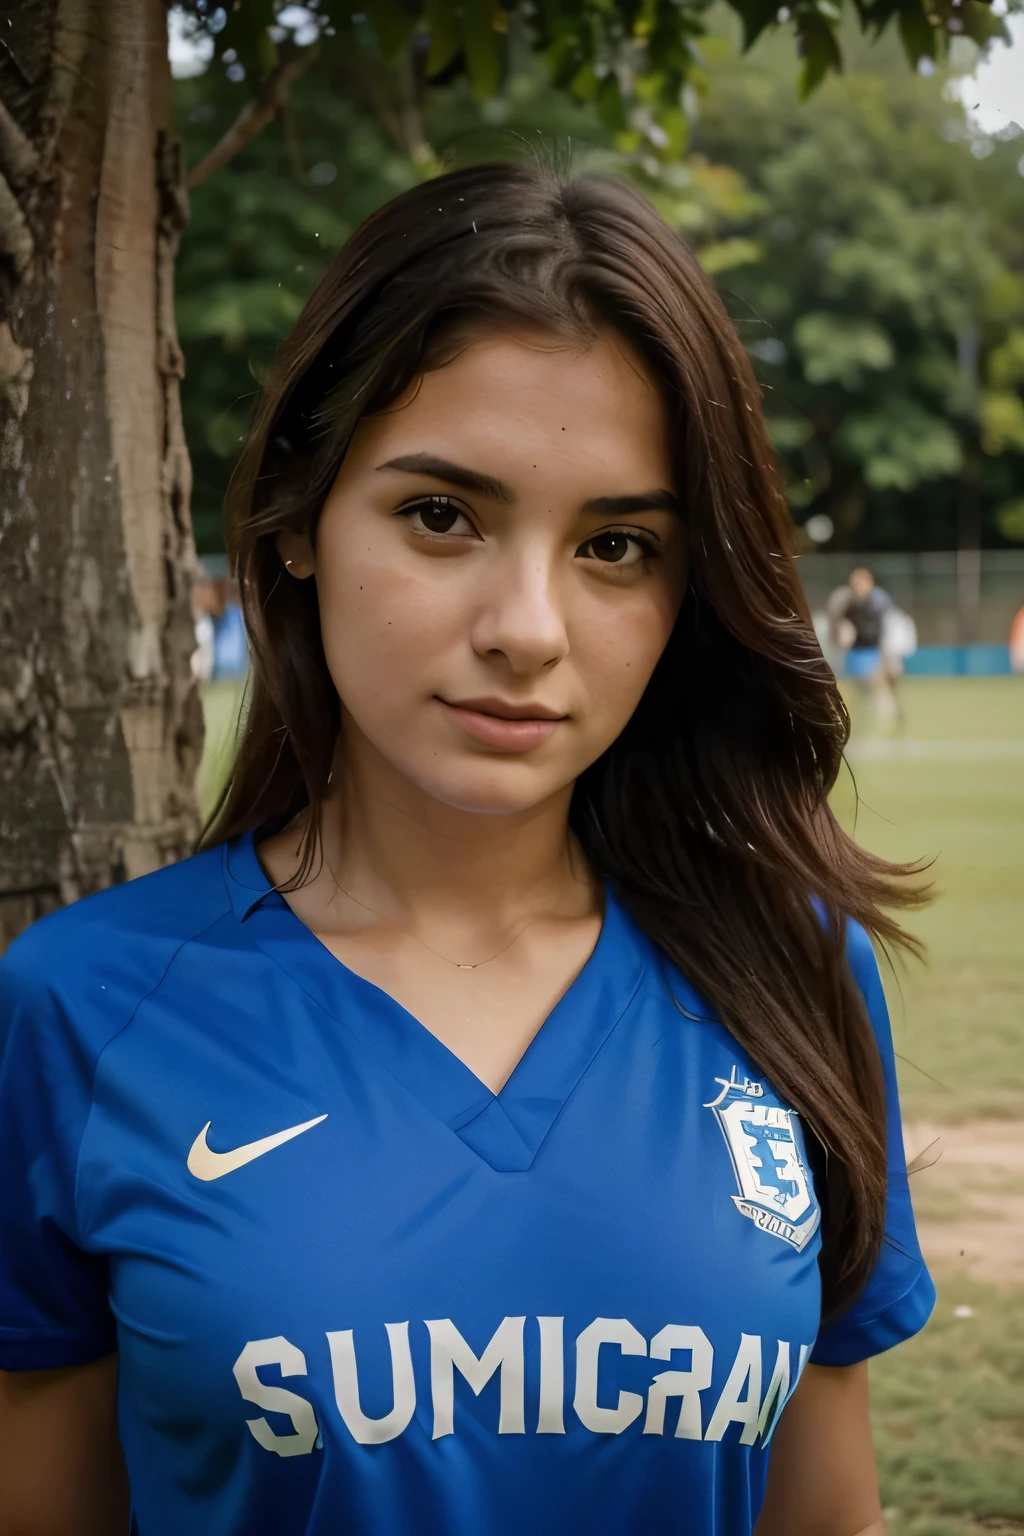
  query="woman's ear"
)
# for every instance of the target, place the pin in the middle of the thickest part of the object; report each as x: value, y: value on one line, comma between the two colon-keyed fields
x: 296, y: 553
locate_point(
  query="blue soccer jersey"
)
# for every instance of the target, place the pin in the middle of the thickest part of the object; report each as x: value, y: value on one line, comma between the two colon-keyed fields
x: 352, y: 1289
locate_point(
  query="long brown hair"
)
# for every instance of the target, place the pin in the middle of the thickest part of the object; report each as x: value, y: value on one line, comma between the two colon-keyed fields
x: 710, y: 812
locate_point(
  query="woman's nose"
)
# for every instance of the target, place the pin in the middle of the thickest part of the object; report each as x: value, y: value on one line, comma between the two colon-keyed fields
x: 519, y: 616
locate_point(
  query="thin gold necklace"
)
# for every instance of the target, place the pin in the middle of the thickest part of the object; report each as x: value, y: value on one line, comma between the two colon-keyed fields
x: 459, y: 965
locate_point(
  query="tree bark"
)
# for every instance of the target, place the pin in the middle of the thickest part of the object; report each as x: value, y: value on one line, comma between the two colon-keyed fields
x: 100, y: 720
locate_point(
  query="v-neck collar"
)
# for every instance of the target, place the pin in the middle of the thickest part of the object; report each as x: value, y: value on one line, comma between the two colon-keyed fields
x: 504, y: 1129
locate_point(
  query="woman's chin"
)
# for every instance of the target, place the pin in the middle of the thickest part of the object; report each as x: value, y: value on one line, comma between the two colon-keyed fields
x: 490, y: 788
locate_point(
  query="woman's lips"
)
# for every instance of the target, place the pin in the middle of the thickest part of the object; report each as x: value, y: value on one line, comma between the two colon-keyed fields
x: 496, y: 731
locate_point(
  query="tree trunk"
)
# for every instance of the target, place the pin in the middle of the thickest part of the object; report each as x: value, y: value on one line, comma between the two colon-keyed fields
x: 100, y: 721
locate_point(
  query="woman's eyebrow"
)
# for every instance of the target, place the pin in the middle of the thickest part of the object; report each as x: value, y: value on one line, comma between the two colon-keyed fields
x: 487, y: 485
x: 455, y: 474
x: 622, y: 506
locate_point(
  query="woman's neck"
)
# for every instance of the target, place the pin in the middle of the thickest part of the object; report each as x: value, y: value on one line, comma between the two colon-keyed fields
x: 393, y: 848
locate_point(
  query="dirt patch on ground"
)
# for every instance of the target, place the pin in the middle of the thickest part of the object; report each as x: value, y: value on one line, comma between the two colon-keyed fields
x: 967, y: 1183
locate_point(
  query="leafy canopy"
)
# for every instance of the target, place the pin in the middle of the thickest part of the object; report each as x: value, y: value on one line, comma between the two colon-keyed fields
x: 885, y: 303
x: 635, y: 61
x: 868, y: 243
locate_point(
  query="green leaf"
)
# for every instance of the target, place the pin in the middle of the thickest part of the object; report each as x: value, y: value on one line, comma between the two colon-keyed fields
x: 1006, y: 365
x: 812, y: 73
x: 841, y: 349
x: 755, y: 16
x: 485, y: 48
x: 1010, y: 520
x: 644, y: 20
x: 800, y: 494
x: 899, y: 444
x: 788, y: 433
x: 673, y: 123
x: 444, y: 35
x: 920, y: 39
x: 584, y: 83
x: 629, y: 142
x: 610, y: 107
x: 717, y: 50
x: 1002, y: 422
x: 246, y: 32
x: 224, y: 433
x: 724, y: 255
x: 563, y: 55
x: 238, y: 313
x: 820, y: 49
x: 391, y: 23
x: 979, y: 23
x: 268, y: 54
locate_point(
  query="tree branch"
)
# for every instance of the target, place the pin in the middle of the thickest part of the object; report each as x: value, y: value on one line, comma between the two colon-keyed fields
x: 395, y: 95
x: 292, y: 145
x: 256, y: 114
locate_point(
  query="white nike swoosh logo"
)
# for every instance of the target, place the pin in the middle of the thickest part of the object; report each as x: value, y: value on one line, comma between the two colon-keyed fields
x: 206, y: 1164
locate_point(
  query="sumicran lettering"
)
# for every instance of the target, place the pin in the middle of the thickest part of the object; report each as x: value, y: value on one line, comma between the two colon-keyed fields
x: 702, y: 1414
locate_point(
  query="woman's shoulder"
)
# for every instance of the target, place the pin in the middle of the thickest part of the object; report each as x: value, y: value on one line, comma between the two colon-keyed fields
x: 863, y: 963
x: 860, y: 949
x: 120, y: 941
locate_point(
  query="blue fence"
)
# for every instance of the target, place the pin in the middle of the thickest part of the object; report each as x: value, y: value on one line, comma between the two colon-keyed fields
x: 959, y: 661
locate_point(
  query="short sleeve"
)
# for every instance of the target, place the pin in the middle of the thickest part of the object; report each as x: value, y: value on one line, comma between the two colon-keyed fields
x: 53, y: 1294
x: 899, y: 1296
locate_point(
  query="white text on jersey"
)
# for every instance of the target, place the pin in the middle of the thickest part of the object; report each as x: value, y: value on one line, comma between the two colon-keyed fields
x: 745, y: 1398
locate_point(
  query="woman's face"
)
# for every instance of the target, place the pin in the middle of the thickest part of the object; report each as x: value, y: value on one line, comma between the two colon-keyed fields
x: 499, y: 566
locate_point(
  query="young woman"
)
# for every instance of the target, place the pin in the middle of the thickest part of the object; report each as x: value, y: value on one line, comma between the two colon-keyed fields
x: 494, y: 1129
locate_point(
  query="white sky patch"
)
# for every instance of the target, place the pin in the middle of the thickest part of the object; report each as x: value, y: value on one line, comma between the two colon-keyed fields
x: 301, y: 22
x: 994, y: 93
x: 189, y: 55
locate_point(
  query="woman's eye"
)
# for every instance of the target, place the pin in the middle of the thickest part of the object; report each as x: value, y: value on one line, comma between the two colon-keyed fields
x: 437, y: 514
x: 616, y: 549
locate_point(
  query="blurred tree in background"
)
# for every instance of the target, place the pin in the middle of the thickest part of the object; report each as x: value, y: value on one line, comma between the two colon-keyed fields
x: 868, y: 241
x: 886, y: 296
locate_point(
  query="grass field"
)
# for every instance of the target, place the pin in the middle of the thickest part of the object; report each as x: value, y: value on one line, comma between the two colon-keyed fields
x: 953, y: 790
x: 948, y: 1405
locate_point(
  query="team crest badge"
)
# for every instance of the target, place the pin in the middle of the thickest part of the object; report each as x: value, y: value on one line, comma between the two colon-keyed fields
x: 764, y: 1144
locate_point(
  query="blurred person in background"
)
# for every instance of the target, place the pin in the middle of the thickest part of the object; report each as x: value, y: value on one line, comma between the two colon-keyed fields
x: 899, y: 640
x: 876, y: 634
x: 222, y: 650
x: 207, y: 604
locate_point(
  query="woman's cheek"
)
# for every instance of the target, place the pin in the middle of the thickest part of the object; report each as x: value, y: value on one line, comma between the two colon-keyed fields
x: 383, y: 629
x: 619, y: 653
